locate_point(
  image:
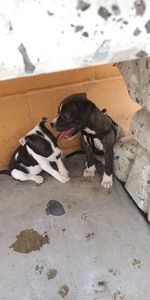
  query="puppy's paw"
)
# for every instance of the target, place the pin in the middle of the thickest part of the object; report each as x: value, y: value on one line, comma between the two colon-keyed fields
x: 64, y: 172
x: 63, y: 178
x: 89, y: 172
x: 107, y: 181
x: 38, y: 179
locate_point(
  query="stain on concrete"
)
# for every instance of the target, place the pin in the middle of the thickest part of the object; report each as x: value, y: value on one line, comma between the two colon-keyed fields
x: 101, y: 286
x: 90, y: 236
x: 118, y: 295
x: 78, y: 28
x: 39, y: 269
x: 63, y: 291
x: 84, y: 216
x: 137, y: 31
x: 125, y: 22
x: 50, y: 14
x: 139, y: 7
x: 147, y: 26
x: 113, y: 272
x: 102, y: 51
x: 115, y: 9
x: 85, y: 34
x: 55, y: 208
x: 82, y: 5
x: 141, y: 53
x: 28, y: 66
x: 95, y: 260
x: 63, y: 229
x: 10, y: 26
x: 104, y: 12
x: 71, y: 204
x: 136, y: 263
x: 29, y: 240
x: 119, y: 20
x: 51, y: 274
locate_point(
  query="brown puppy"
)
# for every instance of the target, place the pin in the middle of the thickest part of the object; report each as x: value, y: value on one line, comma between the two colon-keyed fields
x: 99, y: 132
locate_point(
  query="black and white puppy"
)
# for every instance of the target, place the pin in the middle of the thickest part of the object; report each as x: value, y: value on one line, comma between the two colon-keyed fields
x: 78, y: 114
x: 37, y: 150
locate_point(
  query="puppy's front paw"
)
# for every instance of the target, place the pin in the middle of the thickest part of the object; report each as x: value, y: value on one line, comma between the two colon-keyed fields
x: 107, y: 181
x: 89, y: 172
x: 63, y: 178
x: 38, y: 179
x: 64, y: 172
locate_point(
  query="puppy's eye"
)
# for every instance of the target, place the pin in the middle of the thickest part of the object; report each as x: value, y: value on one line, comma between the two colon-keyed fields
x: 66, y: 117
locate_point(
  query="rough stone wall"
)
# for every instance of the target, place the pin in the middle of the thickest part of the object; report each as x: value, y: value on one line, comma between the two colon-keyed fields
x: 132, y: 154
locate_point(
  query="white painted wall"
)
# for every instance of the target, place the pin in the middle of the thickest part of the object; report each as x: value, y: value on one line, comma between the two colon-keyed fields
x: 52, y: 34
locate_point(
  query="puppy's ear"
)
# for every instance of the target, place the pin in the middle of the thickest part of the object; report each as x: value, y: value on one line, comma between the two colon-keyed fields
x: 24, y: 140
x: 29, y: 139
x: 75, y: 97
x: 43, y: 121
x: 79, y: 96
x: 85, y: 107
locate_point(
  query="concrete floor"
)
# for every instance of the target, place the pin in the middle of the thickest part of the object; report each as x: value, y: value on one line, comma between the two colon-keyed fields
x: 98, y: 249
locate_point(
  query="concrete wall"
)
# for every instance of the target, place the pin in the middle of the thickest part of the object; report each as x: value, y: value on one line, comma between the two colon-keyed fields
x: 120, y: 31
x: 24, y: 101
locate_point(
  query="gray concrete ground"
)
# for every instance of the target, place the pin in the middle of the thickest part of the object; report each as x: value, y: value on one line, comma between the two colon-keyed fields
x: 98, y: 249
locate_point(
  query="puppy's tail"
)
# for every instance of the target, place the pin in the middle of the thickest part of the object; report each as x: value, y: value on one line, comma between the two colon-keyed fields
x: 5, y: 172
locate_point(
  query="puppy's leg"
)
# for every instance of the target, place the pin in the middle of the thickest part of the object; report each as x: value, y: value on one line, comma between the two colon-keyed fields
x: 89, y: 171
x: 61, y: 167
x: 107, y: 179
x: 20, y: 175
x: 48, y: 168
x: 90, y: 166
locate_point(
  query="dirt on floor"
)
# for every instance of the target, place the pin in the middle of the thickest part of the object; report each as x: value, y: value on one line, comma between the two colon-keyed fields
x: 29, y: 240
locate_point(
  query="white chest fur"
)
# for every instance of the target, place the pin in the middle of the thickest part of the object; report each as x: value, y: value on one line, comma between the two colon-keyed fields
x: 34, y: 170
x: 97, y: 143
